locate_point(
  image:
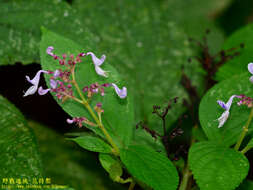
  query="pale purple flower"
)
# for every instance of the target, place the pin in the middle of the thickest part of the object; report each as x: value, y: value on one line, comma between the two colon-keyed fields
x: 42, y: 91
x: 226, y: 106
x: 49, y: 50
x: 250, y: 68
x: 70, y: 121
x: 223, y: 118
x: 53, y: 83
x: 56, y: 73
x: 35, y: 83
x: 122, y: 93
x: 97, y: 63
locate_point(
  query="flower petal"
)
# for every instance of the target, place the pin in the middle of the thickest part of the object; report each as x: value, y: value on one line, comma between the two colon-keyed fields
x: 121, y: 93
x: 222, y: 104
x: 97, y: 61
x: 57, y: 73
x: 229, y: 103
x: 53, y: 83
x: 250, y: 68
x: 35, y: 81
x: 31, y: 90
x: 223, y: 118
x: 251, y: 79
x: 42, y: 91
x: 101, y: 72
x: 70, y: 121
x: 49, y: 50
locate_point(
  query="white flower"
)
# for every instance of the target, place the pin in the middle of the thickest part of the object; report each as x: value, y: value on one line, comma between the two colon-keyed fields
x: 97, y: 63
x: 121, y: 93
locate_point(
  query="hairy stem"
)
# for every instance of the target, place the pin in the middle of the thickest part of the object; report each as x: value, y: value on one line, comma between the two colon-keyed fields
x: 244, y: 131
x: 87, y: 106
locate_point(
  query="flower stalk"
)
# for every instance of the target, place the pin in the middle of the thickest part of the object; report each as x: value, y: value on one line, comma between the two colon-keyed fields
x: 97, y: 120
x: 244, y: 131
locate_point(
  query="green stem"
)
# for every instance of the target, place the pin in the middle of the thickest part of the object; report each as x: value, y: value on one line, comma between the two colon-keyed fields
x: 132, y: 184
x: 186, y: 176
x: 245, y: 149
x: 244, y: 131
x: 100, y: 125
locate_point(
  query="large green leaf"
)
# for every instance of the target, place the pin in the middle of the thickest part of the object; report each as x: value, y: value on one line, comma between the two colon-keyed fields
x: 150, y: 167
x: 19, y: 155
x: 217, y: 167
x: 238, y: 64
x: 120, y: 127
x: 68, y: 164
x: 93, y: 143
x: 146, y: 47
x: 112, y: 165
x: 20, y: 27
x: 210, y: 111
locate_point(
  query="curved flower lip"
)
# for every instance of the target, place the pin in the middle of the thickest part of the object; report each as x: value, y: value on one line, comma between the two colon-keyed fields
x: 97, y: 63
x: 35, y: 83
x: 121, y: 93
x: 49, y: 50
x: 223, y: 118
x: 42, y: 91
x: 226, y: 106
x: 96, y: 60
x: 250, y: 69
x: 70, y: 121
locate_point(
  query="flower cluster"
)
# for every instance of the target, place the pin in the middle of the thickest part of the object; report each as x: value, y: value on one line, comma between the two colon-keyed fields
x: 244, y: 100
x: 62, y: 80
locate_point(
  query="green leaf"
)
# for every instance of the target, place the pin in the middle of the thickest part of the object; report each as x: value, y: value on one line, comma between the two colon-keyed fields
x: 112, y: 165
x: 92, y: 143
x: 121, y: 127
x: 147, y: 48
x: 19, y: 155
x: 150, y: 167
x: 20, y: 27
x: 210, y: 111
x: 239, y: 63
x: 217, y: 167
x: 68, y: 164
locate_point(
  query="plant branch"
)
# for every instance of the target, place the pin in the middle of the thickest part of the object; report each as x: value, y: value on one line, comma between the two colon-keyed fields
x: 87, y: 106
x: 244, y: 131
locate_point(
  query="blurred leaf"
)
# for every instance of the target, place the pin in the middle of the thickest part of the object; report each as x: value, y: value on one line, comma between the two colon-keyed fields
x: 67, y: 164
x: 112, y: 165
x: 238, y: 64
x: 92, y: 143
x: 150, y: 167
x: 20, y: 27
x: 210, y: 111
x: 121, y: 127
x: 19, y: 155
x: 196, y: 16
x: 217, y: 167
x: 246, y: 185
x: 148, y: 50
